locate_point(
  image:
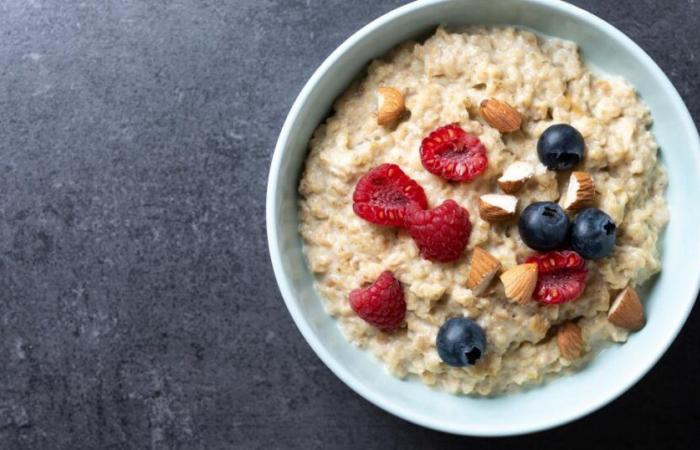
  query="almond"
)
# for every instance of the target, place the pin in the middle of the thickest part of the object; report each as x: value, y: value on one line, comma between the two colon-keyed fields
x: 390, y: 106
x: 500, y: 115
x: 515, y: 176
x: 538, y: 325
x: 519, y: 282
x: 482, y: 270
x: 581, y: 192
x: 497, y: 207
x: 627, y: 311
x: 570, y: 341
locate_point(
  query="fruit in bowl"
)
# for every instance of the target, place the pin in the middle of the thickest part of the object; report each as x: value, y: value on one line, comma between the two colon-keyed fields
x: 404, y: 198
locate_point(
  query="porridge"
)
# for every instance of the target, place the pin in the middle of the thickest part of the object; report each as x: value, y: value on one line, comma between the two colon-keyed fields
x: 501, y: 247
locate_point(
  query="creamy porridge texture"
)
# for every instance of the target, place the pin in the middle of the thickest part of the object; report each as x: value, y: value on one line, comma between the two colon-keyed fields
x: 443, y: 81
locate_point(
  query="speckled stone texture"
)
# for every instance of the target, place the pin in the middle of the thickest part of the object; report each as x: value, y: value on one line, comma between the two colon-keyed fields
x: 137, y: 303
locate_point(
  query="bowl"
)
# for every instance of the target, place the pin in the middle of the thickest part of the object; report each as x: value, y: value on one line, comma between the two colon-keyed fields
x: 611, y: 372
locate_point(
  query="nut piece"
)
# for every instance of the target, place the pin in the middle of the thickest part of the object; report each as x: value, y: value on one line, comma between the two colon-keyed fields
x: 500, y: 115
x: 627, y: 311
x: 497, y: 207
x: 581, y: 192
x: 569, y: 340
x: 515, y: 176
x: 390, y: 106
x: 538, y: 325
x: 519, y: 282
x: 482, y: 270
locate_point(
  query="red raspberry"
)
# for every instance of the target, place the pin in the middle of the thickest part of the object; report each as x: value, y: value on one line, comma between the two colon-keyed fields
x: 453, y: 154
x: 561, y: 276
x: 441, y: 233
x: 381, y: 304
x: 382, y: 195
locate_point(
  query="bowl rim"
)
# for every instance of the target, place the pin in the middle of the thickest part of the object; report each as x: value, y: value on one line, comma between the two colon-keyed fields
x: 338, y: 369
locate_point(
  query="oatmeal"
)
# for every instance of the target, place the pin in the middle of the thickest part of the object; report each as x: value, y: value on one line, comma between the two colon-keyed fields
x: 443, y: 81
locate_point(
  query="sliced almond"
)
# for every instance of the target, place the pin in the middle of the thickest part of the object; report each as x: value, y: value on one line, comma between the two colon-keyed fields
x: 627, y: 311
x: 483, y: 268
x: 515, y: 176
x: 497, y: 207
x: 519, y: 282
x: 581, y: 192
x: 390, y: 106
x: 500, y: 115
x: 570, y: 341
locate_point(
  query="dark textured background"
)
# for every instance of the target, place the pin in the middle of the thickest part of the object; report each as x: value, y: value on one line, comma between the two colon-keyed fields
x: 137, y: 303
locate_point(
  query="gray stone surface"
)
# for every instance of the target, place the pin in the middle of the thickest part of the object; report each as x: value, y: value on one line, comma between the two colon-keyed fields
x: 137, y: 303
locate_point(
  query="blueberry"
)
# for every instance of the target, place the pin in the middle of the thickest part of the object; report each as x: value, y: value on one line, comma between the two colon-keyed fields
x: 460, y: 342
x: 544, y: 226
x: 560, y: 147
x: 593, y: 234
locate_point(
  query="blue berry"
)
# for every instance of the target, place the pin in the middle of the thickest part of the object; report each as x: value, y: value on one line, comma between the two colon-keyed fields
x: 460, y: 342
x: 560, y: 147
x: 544, y: 226
x: 593, y: 234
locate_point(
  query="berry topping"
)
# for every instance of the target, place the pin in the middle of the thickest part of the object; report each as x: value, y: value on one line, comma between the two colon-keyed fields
x: 453, y: 154
x: 561, y: 276
x: 384, y: 193
x: 560, y: 147
x: 380, y: 304
x: 460, y: 342
x: 441, y: 233
x: 544, y: 226
x: 593, y: 234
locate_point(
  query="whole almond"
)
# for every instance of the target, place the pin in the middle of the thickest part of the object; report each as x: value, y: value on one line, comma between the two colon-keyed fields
x: 500, y: 115
x: 627, y: 311
x: 570, y: 341
x: 483, y: 268
x: 390, y: 106
x: 519, y: 282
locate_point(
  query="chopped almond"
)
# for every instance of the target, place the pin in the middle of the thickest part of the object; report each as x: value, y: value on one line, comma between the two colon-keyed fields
x: 519, y: 282
x: 581, y: 192
x: 497, y: 207
x: 482, y: 270
x: 515, y: 176
x: 570, y: 341
x: 627, y: 311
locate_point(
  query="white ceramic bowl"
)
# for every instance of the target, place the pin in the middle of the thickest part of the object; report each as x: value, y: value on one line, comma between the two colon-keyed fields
x: 615, y: 369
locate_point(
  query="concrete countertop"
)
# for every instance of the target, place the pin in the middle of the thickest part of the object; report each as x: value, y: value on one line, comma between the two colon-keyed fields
x: 137, y: 303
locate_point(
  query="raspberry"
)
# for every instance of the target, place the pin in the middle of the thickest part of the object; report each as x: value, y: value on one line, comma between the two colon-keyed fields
x: 381, y: 304
x: 561, y: 276
x: 441, y: 233
x: 382, y: 195
x: 453, y: 154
